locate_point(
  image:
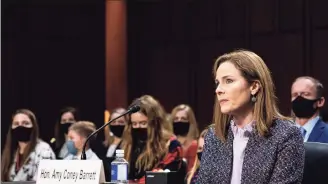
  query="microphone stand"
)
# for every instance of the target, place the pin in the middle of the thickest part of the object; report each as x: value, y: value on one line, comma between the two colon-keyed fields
x: 133, y: 109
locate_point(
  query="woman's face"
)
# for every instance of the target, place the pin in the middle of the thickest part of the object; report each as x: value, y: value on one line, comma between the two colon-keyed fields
x: 67, y: 117
x: 233, y: 91
x: 181, y: 116
x: 139, y: 120
x: 120, y: 121
x: 76, y: 138
x: 181, y: 124
x: 21, y: 120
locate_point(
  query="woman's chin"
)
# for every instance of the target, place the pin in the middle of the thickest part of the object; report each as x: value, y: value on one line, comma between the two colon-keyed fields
x: 225, y: 110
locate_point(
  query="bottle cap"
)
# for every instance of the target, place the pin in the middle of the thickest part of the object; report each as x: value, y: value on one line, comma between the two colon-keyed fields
x: 119, y: 151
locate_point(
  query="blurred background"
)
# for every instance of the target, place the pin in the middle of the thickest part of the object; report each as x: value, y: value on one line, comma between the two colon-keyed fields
x: 100, y: 54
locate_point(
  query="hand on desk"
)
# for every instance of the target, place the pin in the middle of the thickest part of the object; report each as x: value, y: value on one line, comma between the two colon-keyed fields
x: 161, y: 170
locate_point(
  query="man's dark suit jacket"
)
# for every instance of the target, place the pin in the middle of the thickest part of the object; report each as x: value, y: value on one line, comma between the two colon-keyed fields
x: 319, y: 132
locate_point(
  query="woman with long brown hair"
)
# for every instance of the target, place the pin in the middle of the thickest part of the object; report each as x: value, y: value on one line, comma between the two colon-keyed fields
x: 148, y: 146
x: 23, y: 149
x: 186, y: 129
x: 250, y: 142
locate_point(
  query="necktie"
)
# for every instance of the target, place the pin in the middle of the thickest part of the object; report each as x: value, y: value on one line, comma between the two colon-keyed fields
x: 303, y: 131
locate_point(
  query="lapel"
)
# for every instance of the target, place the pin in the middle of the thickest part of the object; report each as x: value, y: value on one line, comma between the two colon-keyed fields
x: 229, y: 143
x: 317, y: 131
x: 250, y: 163
x: 229, y: 148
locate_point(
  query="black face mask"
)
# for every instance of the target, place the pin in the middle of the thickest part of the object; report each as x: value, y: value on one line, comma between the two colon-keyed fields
x: 303, y: 108
x: 199, y: 155
x: 181, y: 128
x: 21, y: 134
x: 117, y: 130
x: 139, y: 134
x: 64, y: 127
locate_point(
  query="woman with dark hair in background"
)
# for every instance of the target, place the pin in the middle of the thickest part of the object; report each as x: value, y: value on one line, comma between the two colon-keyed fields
x: 68, y: 116
x: 23, y: 149
x: 186, y: 129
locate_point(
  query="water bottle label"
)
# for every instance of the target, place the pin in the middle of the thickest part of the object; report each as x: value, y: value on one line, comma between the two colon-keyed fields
x: 119, y: 172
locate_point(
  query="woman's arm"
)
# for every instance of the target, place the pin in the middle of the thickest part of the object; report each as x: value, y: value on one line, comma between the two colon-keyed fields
x: 172, y: 160
x: 191, y: 155
x: 290, y: 160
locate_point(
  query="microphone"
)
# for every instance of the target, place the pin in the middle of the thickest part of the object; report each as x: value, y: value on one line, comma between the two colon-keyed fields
x: 133, y: 109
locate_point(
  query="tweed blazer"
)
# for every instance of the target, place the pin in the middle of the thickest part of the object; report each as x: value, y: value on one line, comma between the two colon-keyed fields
x: 277, y: 158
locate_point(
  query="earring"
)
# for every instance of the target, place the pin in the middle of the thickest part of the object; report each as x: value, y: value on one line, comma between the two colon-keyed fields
x: 253, y: 99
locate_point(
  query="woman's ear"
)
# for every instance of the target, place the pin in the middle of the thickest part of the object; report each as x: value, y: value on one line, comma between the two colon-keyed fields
x: 255, y: 87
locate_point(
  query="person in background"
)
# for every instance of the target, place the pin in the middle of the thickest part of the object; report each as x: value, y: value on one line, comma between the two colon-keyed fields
x: 147, y: 145
x: 77, y: 135
x: 68, y: 116
x: 167, y: 123
x: 106, y: 129
x: 23, y: 149
x: 186, y: 129
x: 116, y: 129
x: 307, y: 101
x: 192, y: 175
x: 250, y: 142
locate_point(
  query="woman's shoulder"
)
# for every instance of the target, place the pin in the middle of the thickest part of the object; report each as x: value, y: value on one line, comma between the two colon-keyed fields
x: 173, y: 143
x: 210, y: 132
x: 43, y: 147
x: 283, y: 128
x: 91, y: 155
x: 193, y: 144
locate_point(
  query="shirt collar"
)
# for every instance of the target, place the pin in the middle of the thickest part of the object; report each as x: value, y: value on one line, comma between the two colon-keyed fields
x: 310, y: 124
x: 241, y: 131
x: 88, y: 155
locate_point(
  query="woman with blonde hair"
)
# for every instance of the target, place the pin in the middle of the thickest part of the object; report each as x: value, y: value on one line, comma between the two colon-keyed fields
x: 251, y: 142
x: 186, y: 129
x: 116, y: 129
x: 148, y: 146
x: 23, y: 149
x: 193, y: 174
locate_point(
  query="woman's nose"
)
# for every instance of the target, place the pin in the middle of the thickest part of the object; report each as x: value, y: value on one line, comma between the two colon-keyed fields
x: 218, y: 90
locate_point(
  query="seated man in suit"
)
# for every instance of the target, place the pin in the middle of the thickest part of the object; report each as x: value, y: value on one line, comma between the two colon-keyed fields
x: 307, y: 100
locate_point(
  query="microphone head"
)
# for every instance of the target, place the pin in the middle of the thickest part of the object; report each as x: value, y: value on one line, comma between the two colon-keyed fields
x: 134, y: 108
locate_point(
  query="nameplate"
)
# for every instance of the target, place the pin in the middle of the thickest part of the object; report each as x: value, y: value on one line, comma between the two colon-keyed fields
x: 70, y: 171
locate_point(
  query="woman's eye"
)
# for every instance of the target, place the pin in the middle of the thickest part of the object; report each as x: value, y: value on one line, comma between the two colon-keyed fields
x: 228, y: 81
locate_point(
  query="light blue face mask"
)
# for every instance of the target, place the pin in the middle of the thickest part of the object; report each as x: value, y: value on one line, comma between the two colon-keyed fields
x: 71, y: 147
